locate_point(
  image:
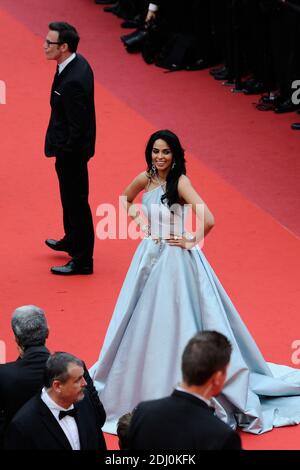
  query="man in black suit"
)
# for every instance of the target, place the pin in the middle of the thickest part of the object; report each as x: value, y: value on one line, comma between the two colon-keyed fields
x: 62, y: 417
x: 184, y: 420
x: 21, y: 379
x: 71, y: 138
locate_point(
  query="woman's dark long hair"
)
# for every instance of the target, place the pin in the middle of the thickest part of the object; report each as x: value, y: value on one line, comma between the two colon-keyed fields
x: 171, y: 195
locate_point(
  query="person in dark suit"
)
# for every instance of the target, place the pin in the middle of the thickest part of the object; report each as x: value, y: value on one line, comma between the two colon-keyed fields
x: 23, y: 378
x: 62, y: 417
x: 123, y: 431
x: 184, y: 420
x: 71, y: 138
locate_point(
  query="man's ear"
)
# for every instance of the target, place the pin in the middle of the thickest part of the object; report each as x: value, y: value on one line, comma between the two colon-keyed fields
x: 64, y: 47
x: 219, y: 376
x: 218, y: 379
x: 19, y: 347
x: 56, y: 384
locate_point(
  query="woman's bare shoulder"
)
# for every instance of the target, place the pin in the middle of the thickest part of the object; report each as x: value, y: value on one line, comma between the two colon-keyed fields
x: 184, y: 181
x: 141, y: 180
x: 144, y: 177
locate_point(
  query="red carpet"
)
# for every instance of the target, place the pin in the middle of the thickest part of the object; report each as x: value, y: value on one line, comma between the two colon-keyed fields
x: 244, y: 163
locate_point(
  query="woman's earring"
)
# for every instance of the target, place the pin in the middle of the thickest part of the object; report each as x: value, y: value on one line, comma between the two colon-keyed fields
x: 153, y: 169
x: 173, y: 165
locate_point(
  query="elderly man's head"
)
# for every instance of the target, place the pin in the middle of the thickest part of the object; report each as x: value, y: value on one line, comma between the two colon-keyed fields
x: 30, y: 327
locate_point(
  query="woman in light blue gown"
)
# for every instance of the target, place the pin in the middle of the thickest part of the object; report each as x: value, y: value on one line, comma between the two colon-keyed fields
x: 169, y: 294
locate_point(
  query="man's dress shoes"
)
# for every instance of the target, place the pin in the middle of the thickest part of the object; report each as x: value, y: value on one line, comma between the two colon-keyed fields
x: 58, y: 245
x: 72, y: 268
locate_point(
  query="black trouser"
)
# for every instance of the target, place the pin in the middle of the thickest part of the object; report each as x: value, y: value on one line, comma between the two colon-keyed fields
x: 255, y: 40
x: 220, y: 20
x: 289, y: 60
x: 73, y: 179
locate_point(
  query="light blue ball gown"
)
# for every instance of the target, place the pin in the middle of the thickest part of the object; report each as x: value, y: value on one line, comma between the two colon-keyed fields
x: 169, y: 294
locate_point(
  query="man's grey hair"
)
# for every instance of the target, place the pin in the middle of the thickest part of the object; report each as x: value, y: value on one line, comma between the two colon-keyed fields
x: 29, y: 325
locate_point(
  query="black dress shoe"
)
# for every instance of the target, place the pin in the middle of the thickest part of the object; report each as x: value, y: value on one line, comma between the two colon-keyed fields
x: 254, y: 88
x: 135, y: 23
x: 218, y: 70
x: 115, y: 9
x: 58, y: 245
x: 238, y: 87
x: 296, y: 126
x: 200, y: 64
x: 104, y: 2
x: 72, y: 268
x: 223, y: 75
x: 229, y: 82
x: 274, y: 99
x: 286, y: 107
x: 268, y: 102
x: 134, y: 41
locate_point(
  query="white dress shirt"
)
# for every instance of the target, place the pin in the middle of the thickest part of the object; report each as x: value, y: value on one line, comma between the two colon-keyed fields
x: 65, y: 63
x: 67, y: 424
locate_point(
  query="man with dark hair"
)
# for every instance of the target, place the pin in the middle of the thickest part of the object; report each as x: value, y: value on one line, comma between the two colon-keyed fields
x: 21, y: 379
x: 71, y: 138
x: 62, y: 416
x: 123, y: 431
x: 184, y: 420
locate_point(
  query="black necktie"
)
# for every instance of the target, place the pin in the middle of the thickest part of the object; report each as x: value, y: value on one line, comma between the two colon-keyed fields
x: 56, y: 75
x: 62, y: 413
x: 54, y: 83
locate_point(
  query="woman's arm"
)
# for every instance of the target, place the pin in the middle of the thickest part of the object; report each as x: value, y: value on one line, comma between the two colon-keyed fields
x: 190, y: 196
x: 130, y: 193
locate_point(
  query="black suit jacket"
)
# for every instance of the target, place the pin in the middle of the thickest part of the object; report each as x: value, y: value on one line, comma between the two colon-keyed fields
x: 20, y: 381
x: 72, y: 125
x: 35, y: 428
x: 181, y: 421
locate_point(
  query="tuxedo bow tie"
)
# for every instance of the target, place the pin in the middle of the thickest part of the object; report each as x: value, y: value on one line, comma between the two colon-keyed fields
x: 62, y: 413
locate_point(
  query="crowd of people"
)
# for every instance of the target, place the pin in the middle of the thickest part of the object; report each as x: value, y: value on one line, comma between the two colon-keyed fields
x: 253, y: 43
x: 48, y: 401
x: 172, y: 318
